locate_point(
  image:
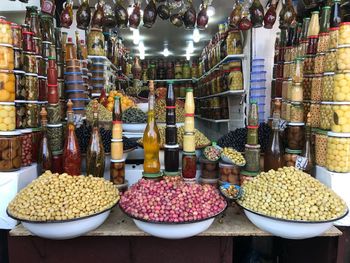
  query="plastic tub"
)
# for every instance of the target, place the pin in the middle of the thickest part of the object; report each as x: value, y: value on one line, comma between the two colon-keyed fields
x: 259, y: 75
x: 257, y: 83
x: 258, y: 62
x: 259, y: 99
x: 257, y: 91
x: 338, y: 152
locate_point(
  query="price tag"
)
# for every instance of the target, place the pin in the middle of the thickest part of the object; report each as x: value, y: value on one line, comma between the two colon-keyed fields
x: 282, y: 124
x: 301, y: 163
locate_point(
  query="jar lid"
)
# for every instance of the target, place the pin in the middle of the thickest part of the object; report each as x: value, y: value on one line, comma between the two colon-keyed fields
x: 344, y: 23
x: 328, y: 74
x: 327, y: 102
x: 167, y: 146
x: 36, y: 129
x: 333, y: 28
x: 117, y: 161
x: 42, y: 77
x: 116, y: 140
x: 55, y: 153
x: 54, y: 125
x: 26, y: 130
x: 31, y: 74
x: 338, y: 134
x: 320, y: 131
x: 27, y: 33
x: 226, y: 165
x: 295, y: 123
x: 7, y: 103
x: 293, y: 151
x: 18, y: 72
x: 343, y: 46
x: 246, y: 173
x: 250, y: 146
x: 10, y: 133
x: 188, y: 153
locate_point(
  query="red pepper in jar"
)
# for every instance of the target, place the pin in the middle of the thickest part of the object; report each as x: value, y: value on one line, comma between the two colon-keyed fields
x: 189, y: 165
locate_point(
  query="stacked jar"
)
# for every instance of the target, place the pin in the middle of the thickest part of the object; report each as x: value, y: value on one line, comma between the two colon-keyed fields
x: 189, y: 159
x: 257, y: 86
x: 117, y: 168
x: 171, y: 147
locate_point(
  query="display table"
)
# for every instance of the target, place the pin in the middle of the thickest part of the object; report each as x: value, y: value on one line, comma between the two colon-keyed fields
x: 119, y: 240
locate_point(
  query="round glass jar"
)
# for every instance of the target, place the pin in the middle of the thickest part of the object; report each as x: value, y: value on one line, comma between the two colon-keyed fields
x: 7, y: 57
x: 307, y: 84
x: 55, y: 136
x: 252, y: 157
x: 323, y: 42
x: 290, y: 157
x: 11, y: 151
x: 309, y: 64
x: 344, y: 33
x: 315, y: 115
x: 7, y: 86
x: 31, y: 86
x: 296, y: 93
x: 327, y: 86
x: 296, y: 112
x: 343, y: 57
x: 342, y: 86
x: 29, y: 63
x: 326, y: 115
x: 117, y: 171
x: 7, y: 116
x: 286, y: 86
x: 329, y: 64
x: 321, y: 139
x: 295, y: 135
x: 319, y: 61
x: 26, y: 139
x: 341, y: 117
x: 6, y: 36
x: 338, y: 152
x: 209, y: 169
x: 20, y: 90
x: 287, y: 70
x: 316, y: 88
x: 333, y: 37
x: 229, y: 173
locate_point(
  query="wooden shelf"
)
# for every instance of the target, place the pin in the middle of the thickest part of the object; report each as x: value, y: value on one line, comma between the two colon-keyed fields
x: 228, y: 93
x: 212, y: 120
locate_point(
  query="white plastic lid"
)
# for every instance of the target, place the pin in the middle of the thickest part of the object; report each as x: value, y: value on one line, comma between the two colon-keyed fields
x: 328, y: 73
x: 26, y: 130
x: 54, y: 125
x: 327, y: 102
x: 171, y: 146
x: 338, y: 134
x: 296, y: 123
x: 116, y: 140
x: 10, y: 133
x: 226, y: 165
x: 7, y: 103
x: 117, y: 161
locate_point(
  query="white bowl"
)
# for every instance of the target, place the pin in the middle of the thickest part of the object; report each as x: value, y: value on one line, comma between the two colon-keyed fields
x: 134, y: 127
x: 143, y: 106
x: 288, y: 228
x: 66, y: 229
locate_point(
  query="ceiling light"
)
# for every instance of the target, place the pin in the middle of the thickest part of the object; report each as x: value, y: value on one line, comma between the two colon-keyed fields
x: 210, y: 11
x: 190, y: 47
x: 188, y: 56
x: 142, y: 56
x: 196, y: 35
x: 141, y: 47
x: 166, y: 52
x: 136, y: 36
x: 130, y: 9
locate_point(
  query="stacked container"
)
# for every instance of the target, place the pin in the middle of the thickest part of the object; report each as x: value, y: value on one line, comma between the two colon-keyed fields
x: 189, y: 159
x: 258, y: 86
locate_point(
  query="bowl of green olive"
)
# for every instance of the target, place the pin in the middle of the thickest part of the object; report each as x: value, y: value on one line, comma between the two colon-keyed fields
x: 231, y: 156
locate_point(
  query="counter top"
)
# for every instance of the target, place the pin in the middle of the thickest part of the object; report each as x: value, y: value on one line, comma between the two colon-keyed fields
x: 232, y: 222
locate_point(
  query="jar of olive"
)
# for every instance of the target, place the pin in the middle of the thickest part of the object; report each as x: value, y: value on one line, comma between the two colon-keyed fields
x: 321, y: 139
x: 315, y: 115
x: 329, y: 64
x: 327, y: 86
x: 326, y: 115
x: 296, y: 112
x: 290, y: 156
x: 295, y: 135
x: 307, y: 84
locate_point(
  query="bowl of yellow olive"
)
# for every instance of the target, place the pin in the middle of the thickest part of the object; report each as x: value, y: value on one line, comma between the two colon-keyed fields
x: 231, y: 156
x: 291, y: 204
x: 61, y: 206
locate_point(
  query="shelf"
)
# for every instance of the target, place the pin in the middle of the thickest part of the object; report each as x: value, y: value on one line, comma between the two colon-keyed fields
x: 229, y: 57
x: 211, y: 120
x: 228, y: 93
x: 174, y: 80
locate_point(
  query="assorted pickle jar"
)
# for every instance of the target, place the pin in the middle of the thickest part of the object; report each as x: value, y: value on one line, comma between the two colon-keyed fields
x: 7, y: 57
x: 234, y: 43
x: 229, y: 173
x: 95, y: 43
x: 327, y: 86
x: 252, y: 157
x: 326, y: 115
x: 117, y: 172
x: 296, y: 93
x: 307, y: 84
x: 341, y: 117
x: 309, y: 64
x: 338, y: 152
x: 7, y: 86
x: 290, y: 156
x: 16, y: 35
x: 55, y: 136
x: 209, y: 169
x: 323, y: 42
x: 30, y: 63
x: 342, y: 86
x: 6, y: 32
x: 321, y: 139
x: 20, y: 88
x: 27, y: 114
x: 333, y: 37
x: 319, y: 62
x: 7, y: 116
x: 295, y: 135
x: 286, y: 86
x: 31, y: 86
x: 11, y: 151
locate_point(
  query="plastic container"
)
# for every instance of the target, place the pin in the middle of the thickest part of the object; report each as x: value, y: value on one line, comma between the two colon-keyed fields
x: 321, y: 139
x: 258, y: 62
x: 341, y: 117
x: 295, y: 135
x: 209, y: 169
x: 117, y: 171
x: 6, y: 57
x: 338, y: 152
x: 26, y: 142
x: 229, y: 173
x: 258, y: 75
x: 257, y: 83
x: 8, y: 116
x: 257, y: 91
x: 290, y: 157
x: 259, y: 99
x: 326, y: 115
x: 11, y: 151
x: 7, y: 86
x: 327, y: 86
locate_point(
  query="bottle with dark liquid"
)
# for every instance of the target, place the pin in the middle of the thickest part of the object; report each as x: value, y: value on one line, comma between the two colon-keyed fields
x: 335, y: 18
x: 45, y: 155
x: 307, y: 150
x: 273, y: 158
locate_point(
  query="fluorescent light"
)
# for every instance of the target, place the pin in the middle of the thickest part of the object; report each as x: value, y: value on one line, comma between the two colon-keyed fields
x: 188, y: 56
x: 210, y: 11
x: 196, y: 35
x: 190, y: 47
x: 136, y: 36
x: 141, y: 46
x: 166, y: 52
x: 142, y: 56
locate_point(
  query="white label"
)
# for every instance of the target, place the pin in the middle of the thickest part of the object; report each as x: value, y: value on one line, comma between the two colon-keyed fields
x: 301, y: 163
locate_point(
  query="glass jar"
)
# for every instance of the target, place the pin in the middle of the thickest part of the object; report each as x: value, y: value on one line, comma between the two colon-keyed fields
x: 338, y: 152
x: 329, y: 64
x: 290, y: 156
x: 189, y: 166
x: 342, y: 86
x: 309, y: 64
x: 57, y: 162
x: 55, y: 136
x: 316, y: 88
x: 27, y: 114
x: 6, y: 57
x: 42, y: 83
x: 287, y: 70
x: 246, y: 176
x: 252, y: 135
x: 344, y: 33
x: 319, y: 61
x: 252, y: 157
x: 296, y: 112
x: 37, y: 46
x: 7, y: 86
x: 26, y: 142
x: 53, y: 113
x: 47, y: 28
x: 6, y: 32
x: 117, y: 171
x: 288, y: 111
x: 32, y: 86
x: 20, y: 90
x: 298, y: 69
x: 341, y: 117
x: 315, y: 115
x: 326, y: 117
x: 295, y: 135
x: 286, y: 86
x: 16, y: 36
x: 229, y: 173
x: 234, y: 43
x: 307, y: 106
x: 235, y: 79
x: 28, y: 42
x: 96, y: 42
x: 283, y: 110
x: 209, y: 169
x: 36, y: 138
x: 296, y: 93
x: 307, y: 84
x: 29, y: 63
x: 333, y: 37
x: 312, y: 45
x: 186, y: 71
x: 17, y: 59
x: 178, y: 70
x: 321, y: 139
x: 323, y: 42
x: 288, y: 54
x: 327, y: 86
x: 8, y: 116
x: 302, y: 49
x: 11, y: 151
x: 343, y: 57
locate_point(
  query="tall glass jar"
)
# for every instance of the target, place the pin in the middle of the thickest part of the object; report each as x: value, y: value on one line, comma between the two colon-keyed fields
x: 295, y: 135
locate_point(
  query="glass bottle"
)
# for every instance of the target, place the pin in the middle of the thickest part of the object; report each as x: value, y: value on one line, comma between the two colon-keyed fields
x: 325, y: 19
x: 83, y: 15
x: 66, y: 17
x: 304, y: 28
x: 34, y: 23
x: 151, y: 138
x: 335, y: 18
x: 270, y: 15
x: 189, y: 102
x: 45, y: 155
x: 314, y: 26
x: 71, y: 150
x: 253, y: 118
x: 136, y: 69
x: 273, y: 158
x: 307, y: 150
x: 117, y: 129
x: 95, y: 156
x: 345, y: 11
x: 256, y: 13
x: 235, y: 15
x: 71, y: 52
x: 103, y: 97
x: 170, y: 106
x: 98, y: 15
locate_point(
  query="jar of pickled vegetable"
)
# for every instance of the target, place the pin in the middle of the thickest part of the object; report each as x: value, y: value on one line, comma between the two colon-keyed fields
x: 186, y: 71
x: 307, y: 84
x: 288, y: 111
x: 296, y: 93
x: 17, y: 59
x: 316, y: 88
x: 341, y: 117
x: 252, y: 157
x: 16, y: 35
x: 6, y: 32
x: 295, y: 135
x: 96, y: 42
x: 329, y: 64
x: 321, y: 139
x: 306, y: 105
x: 235, y: 79
x: 338, y: 152
x: 333, y: 37
x: 312, y: 45
x: 20, y: 90
x: 309, y: 64
x: 117, y: 171
x: 26, y: 137
x: 342, y: 86
x: 319, y: 61
x: 7, y: 86
x: 302, y: 49
x: 209, y: 169
x: 55, y: 136
x: 229, y: 173
x: 326, y: 117
x: 296, y: 112
x: 315, y: 115
x: 7, y: 116
x: 327, y: 86
x: 189, y: 166
x: 11, y: 150
x: 178, y: 70
x: 286, y: 86
x: 343, y: 57
x: 32, y: 86
x: 283, y: 110
x: 29, y: 63
x: 6, y: 57
x: 287, y: 70
x: 290, y: 156
x: 288, y: 54
x: 28, y: 42
x: 344, y: 33
x: 323, y: 42
x: 234, y: 43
